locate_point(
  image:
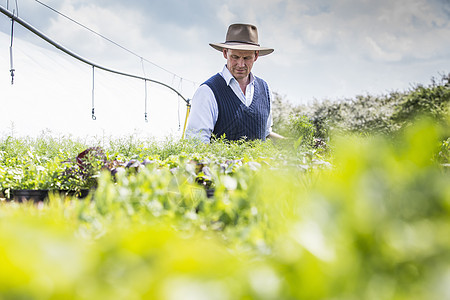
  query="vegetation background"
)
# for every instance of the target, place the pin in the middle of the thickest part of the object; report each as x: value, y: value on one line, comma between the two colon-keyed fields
x: 354, y: 204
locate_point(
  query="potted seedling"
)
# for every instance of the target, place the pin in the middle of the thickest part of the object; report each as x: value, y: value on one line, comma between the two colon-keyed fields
x: 28, y: 182
x: 32, y: 179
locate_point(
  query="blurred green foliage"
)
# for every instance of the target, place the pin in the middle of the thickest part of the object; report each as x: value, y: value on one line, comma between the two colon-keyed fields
x: 365, y: 215
x: 281, y: 225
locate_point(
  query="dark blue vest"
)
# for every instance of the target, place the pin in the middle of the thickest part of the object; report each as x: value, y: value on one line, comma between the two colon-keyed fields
x: 235, y: 119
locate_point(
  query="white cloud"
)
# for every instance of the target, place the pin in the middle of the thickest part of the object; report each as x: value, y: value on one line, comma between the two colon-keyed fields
x: 381, y: 52
x: 113, y: 24
x: 382, y: 30
x: 225, y: 15
x: 323, y: 48
x: 398, y: 29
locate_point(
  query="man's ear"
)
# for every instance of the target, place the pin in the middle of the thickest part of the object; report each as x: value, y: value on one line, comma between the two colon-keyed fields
x: 256, y: 55
x: 225, y: 53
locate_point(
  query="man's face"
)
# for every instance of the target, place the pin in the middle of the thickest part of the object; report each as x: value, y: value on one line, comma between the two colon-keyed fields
x: 240, y: 62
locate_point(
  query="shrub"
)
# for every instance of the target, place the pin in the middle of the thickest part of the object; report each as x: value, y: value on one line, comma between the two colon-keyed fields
x: 383, y: 114
x: 432, y: 101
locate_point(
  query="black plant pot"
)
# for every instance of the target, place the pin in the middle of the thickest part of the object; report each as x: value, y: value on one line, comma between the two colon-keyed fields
x: 29, y: 195
x: 41, y: 195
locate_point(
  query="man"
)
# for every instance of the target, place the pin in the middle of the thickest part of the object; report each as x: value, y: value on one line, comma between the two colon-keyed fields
x: 234, y: 103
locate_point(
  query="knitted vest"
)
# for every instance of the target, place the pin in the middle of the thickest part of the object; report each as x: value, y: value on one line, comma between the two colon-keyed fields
x: 235, y: 119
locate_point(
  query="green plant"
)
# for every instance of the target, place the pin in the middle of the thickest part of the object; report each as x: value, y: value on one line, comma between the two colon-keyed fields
x: 432, y: 101
x: 302, y: 130
x: 372, y: 226
x: 444, y: 154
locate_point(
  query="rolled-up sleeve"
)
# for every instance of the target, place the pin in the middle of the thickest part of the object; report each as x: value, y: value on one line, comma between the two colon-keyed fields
x: 203, y: 115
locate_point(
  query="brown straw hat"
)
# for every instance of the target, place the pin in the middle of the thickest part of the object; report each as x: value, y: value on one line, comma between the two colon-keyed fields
x: 242, y: 37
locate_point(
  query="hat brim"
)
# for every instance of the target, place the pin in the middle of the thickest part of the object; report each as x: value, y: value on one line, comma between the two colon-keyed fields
x: 239, y: 46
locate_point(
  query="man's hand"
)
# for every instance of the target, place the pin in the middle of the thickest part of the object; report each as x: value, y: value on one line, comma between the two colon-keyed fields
x: 275, y: 136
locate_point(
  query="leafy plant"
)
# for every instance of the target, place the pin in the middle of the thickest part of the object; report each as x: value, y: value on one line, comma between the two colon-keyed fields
x: 432, y: 101
x: 372, y: 226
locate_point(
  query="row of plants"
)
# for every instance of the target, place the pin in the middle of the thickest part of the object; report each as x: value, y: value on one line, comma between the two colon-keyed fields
x: 37, y: 165
x: 282, y: 224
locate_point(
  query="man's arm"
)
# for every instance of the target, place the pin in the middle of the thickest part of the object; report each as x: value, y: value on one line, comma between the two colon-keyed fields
x: 275, y: 136
x: 203, y: 115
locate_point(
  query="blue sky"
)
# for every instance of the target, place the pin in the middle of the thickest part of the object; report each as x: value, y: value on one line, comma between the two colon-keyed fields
x: 323, y: 49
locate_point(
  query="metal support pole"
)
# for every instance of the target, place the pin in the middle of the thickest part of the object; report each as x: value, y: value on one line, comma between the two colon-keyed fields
x: 11, y: 61
x: 188, y: 110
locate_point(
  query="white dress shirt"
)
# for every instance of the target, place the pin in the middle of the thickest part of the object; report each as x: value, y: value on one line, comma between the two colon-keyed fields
x: 204, y: 110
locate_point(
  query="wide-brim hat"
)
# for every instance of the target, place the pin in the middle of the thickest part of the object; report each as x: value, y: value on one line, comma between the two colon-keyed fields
x: 242, y: 37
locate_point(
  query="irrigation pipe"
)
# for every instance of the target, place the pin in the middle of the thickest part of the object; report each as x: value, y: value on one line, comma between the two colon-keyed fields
x: 67, y: 51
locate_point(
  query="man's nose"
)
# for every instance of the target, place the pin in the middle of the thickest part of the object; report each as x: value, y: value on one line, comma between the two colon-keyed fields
x: 241, y: 62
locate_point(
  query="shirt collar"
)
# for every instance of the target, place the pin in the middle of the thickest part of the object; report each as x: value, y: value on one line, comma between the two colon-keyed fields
x: 226, y: 74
